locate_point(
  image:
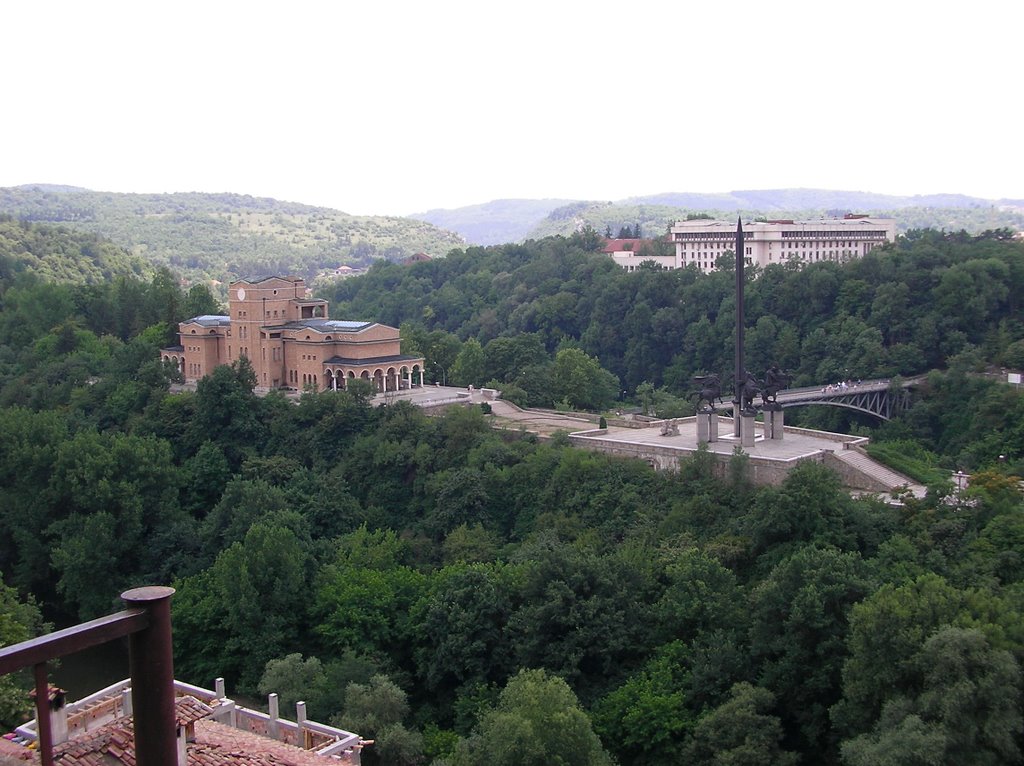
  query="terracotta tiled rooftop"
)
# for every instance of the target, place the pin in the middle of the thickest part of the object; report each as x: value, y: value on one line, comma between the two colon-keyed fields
x: 11, y: 751
x: 240, y: 748
x: 188, y: 709
x: 215, y: 745
x: 618, y: 245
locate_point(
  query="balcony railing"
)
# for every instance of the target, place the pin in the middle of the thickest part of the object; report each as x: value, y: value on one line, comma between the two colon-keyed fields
x: 114, y: 702
x: 147, y: 623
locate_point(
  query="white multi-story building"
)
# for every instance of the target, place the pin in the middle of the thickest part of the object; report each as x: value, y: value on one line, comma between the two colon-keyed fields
x: 701, y: 242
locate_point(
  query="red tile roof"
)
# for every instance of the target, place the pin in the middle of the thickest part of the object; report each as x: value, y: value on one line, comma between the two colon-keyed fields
x: 11, y: 750
x: 620, y: 245
x: 215, y: 744
x: 188, y: 709
x: 217, y: 739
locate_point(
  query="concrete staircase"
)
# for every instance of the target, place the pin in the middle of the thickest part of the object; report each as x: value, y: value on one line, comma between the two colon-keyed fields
x: 874, y: 477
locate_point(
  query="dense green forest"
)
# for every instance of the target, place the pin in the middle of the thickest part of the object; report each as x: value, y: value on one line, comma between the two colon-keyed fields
x: 469, y: 596
x: 61, y: 255
x: 503, y: 315
x: 219, y: 237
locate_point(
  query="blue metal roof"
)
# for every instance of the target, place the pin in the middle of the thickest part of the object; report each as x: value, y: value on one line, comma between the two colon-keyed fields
x: 324, y: 325
x: 210, y: 320
x: 394, y: 358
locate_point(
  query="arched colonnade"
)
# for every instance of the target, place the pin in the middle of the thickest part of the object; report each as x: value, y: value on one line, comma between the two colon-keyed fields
x: 384, y: 379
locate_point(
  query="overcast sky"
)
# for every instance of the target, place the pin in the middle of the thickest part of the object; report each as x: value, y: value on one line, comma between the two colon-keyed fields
x: 388, y: 107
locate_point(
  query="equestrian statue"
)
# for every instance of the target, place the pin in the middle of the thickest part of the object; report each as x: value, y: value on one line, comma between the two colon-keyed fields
x: 709, y: 388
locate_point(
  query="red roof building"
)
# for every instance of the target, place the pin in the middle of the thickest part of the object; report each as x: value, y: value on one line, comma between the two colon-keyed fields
x: 211, y: 731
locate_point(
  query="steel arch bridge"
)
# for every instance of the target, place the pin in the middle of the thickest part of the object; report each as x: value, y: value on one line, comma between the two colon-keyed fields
x: 879, y: 398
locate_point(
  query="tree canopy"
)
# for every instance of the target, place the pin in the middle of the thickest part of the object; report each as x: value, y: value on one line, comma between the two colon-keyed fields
x: 467, y: 594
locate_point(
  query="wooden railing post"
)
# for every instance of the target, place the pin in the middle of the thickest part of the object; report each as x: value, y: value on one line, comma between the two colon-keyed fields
x: 44, y: 724
x: 151, y: 662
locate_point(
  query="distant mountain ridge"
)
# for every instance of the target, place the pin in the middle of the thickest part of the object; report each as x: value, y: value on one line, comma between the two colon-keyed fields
x: 495, y: 222
x: 509, y: 220
x: 809, y: 199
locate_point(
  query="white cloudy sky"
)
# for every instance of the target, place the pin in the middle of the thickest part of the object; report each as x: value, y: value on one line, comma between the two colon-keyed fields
x: 396, y: 107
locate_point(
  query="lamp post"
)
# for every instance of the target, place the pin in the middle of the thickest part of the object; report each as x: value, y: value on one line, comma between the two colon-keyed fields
x: 960, y: 479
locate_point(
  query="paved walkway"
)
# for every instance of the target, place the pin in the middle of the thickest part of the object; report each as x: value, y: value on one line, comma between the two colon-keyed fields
x: 798, y: 443
x: 508, y: 415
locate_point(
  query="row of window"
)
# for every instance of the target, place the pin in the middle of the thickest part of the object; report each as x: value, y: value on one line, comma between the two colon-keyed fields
x: 808, y: 243
x: 867, y: 234
x: 731, y: 235
x: 712, y: 235
x: 831, y: 255
x: 820, y: 244
x: 710, y: 265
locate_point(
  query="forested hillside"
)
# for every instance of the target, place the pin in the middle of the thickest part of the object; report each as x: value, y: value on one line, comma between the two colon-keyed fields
x: 220, y: 237
x: 399, y: 573
x: 465, y: 596
x: 503, y: 315
x: 61, y: 255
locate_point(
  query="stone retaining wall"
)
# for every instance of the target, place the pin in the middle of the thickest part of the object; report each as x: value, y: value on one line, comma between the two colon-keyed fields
x: 760, y: 471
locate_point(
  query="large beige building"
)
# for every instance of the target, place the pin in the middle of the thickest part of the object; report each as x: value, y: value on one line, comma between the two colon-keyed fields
x: 701, y: 242
x: 292, y: 343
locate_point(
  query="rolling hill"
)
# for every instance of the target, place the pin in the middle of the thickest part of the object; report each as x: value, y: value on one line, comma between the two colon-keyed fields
x: 59, y: 254
x: 495, y: 222
x: 513, y: 220
x: 214, y: 238
x: 218, y: 237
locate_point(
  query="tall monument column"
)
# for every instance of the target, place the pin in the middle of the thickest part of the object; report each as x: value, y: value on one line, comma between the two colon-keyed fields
x: 739, y: 399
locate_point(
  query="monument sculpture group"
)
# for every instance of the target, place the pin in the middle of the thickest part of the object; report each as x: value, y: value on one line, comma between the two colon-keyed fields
x: 746, y: 386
